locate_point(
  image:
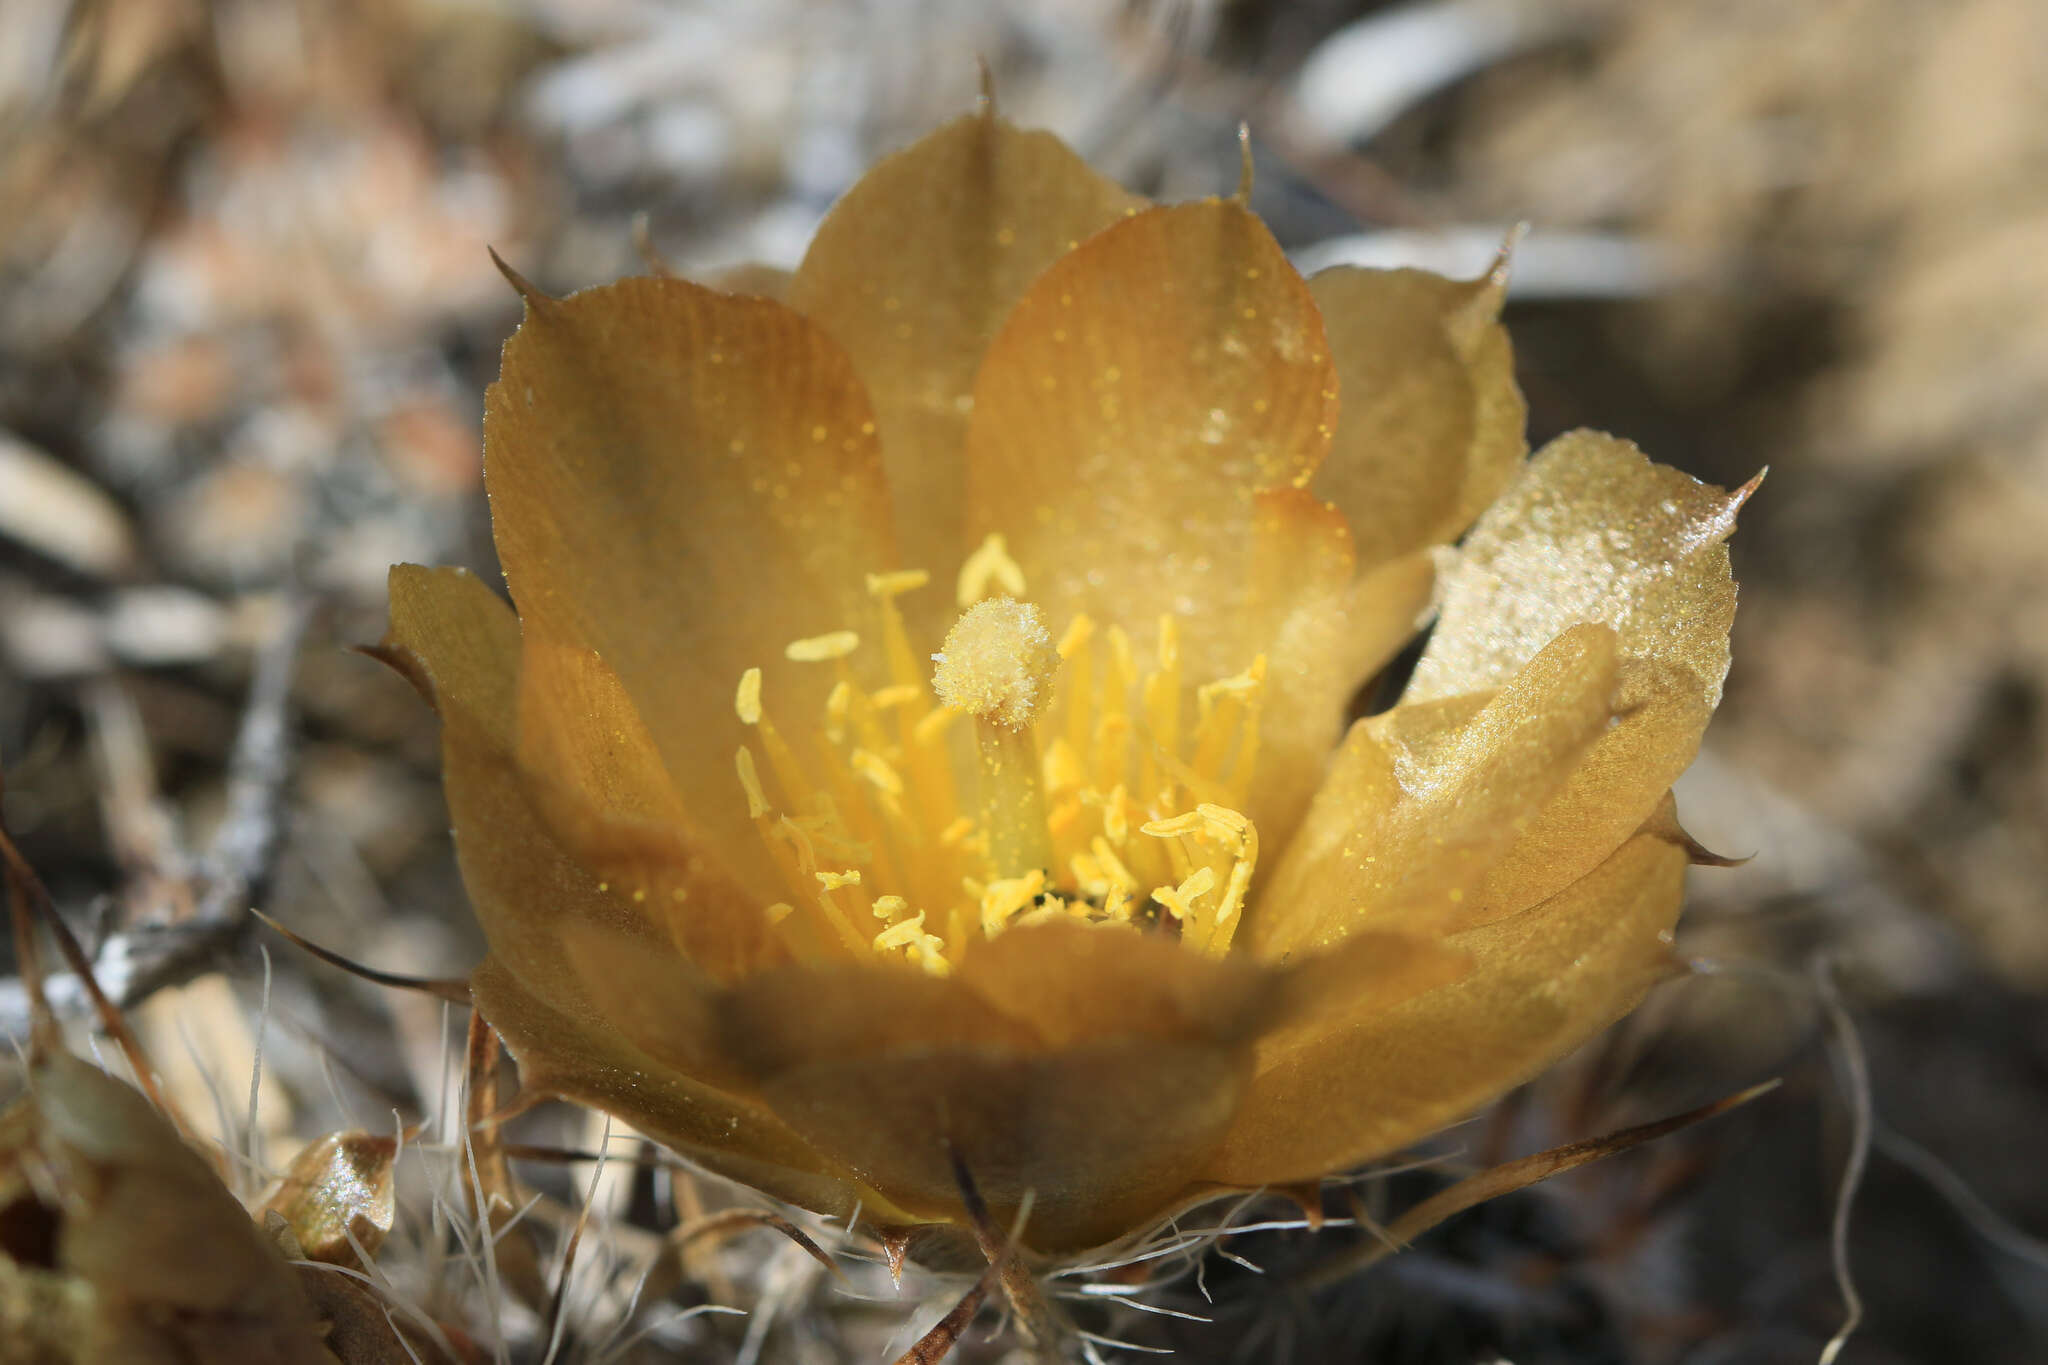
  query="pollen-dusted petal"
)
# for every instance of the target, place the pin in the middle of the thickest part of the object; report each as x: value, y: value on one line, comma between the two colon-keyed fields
x: 598, y: 779
x: 1144, y: 389
x: 915, y: 269
x: 685, y: 481
x: 1359, y: 1076
x: 729, y: 1133
x: 1430, y: 426
x: 1071, y: 982
x: 1595, y: 532
x: 1326, y: 629
x: 1418, y: 809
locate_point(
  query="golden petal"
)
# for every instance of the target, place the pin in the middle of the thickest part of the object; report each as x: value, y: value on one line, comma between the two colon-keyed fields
x: 457, y: 642
x: 1358, y: 1079
x: 1141, y: 394
x: 1431, y: 421
x: 915, y: 269
x: 594, y: 774
x: 1422, y: 802
x: 761, y: 281
x: 1326, y: 629
x: 737, y: 1137
x: 685, y: 481
x: 1097, y: 1136
x: 1595, y: 532
x: 1069, y: 983
x: 537, y: 846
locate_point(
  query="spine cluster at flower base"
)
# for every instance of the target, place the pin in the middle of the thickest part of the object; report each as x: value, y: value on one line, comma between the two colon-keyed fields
x: 1092, y: 796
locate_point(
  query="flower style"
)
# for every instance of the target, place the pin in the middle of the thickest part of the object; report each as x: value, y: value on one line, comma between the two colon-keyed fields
x: 1121, y: 913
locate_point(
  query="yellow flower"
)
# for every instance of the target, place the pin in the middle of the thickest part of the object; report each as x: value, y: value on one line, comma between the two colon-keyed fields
x: 1122, y: 913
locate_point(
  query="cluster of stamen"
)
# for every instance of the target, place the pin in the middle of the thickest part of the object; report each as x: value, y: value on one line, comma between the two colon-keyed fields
x: 1093, y: 799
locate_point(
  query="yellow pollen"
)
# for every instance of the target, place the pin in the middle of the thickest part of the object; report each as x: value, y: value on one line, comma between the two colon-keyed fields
x: 876, y: 769
x: 747, y: 701
x: 989, y: 564
x: 998, y: 663
x: 901, y: 935
x: 884, y: 586
x: 858, y: 809
x: 750, y: 781
x: 818, y: 649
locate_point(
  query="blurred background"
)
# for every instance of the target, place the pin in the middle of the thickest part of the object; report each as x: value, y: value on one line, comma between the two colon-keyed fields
x: 246, y: 321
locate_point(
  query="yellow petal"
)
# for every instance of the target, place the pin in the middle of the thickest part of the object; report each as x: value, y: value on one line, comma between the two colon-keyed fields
x: 761, y: 281
x: 1069, y: 983
x: 1099, y: 1135
x: 1358, y: 1079
x: 1422, y: 802
x: 727, y: 1133
x: 1595, y: 532
x: 1430, y: 426
x: 594, y: 774
x: 457, y: 642
x: 1101, y: 1116
x: 914, y: 270
x: 1142, y: 392
x: 685, y: 481
x: 1325, y: 629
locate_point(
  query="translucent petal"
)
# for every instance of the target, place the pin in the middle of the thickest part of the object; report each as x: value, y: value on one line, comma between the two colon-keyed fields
x: 1430, y: 422
x: 1594, y: 531
x: 1142, y: 393
x: 727, y: 1133
x: 1358, y: 1078
x: 1069, y: 983
x: 684, y: 481
x: 915, y: 269
x: 1422, y: 802
x: 594, y: 773
x: 1326, y: 629
x: 1098, y: 1135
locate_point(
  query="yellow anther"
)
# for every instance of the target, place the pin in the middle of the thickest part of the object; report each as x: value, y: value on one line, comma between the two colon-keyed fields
x: 876, y: 769
x: 954, y: 834
x: 927, y: 730
x: 883, y: 586
x: 747, y: 701
x: 779, y: 912
x: 901, y: 935
x: 896, y: 694
x: 1224, y: 822
x: 1063, y: 768
x: 1179, y: 900
x: 832, y: 881
x: 818, y: 649
x: 1112, y: 866
x: 750, y: 781
x: 888, y: 907
x: 1187, y: 822
x: 998, y: 663
x: 1005, y: 898
x: 838, y: 703
x: 1076, y: 636
x: 1116, y: 814
x: 1242, y: 684
x: 989, y: 564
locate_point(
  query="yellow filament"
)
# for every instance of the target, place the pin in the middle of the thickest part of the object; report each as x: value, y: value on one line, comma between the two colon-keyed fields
x: 1131, y: 815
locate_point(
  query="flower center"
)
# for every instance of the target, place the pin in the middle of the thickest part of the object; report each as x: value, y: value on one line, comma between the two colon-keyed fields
x: 1095, y: 801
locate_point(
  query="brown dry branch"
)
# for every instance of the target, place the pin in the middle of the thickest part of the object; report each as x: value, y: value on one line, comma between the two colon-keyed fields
x: 228, y: 878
